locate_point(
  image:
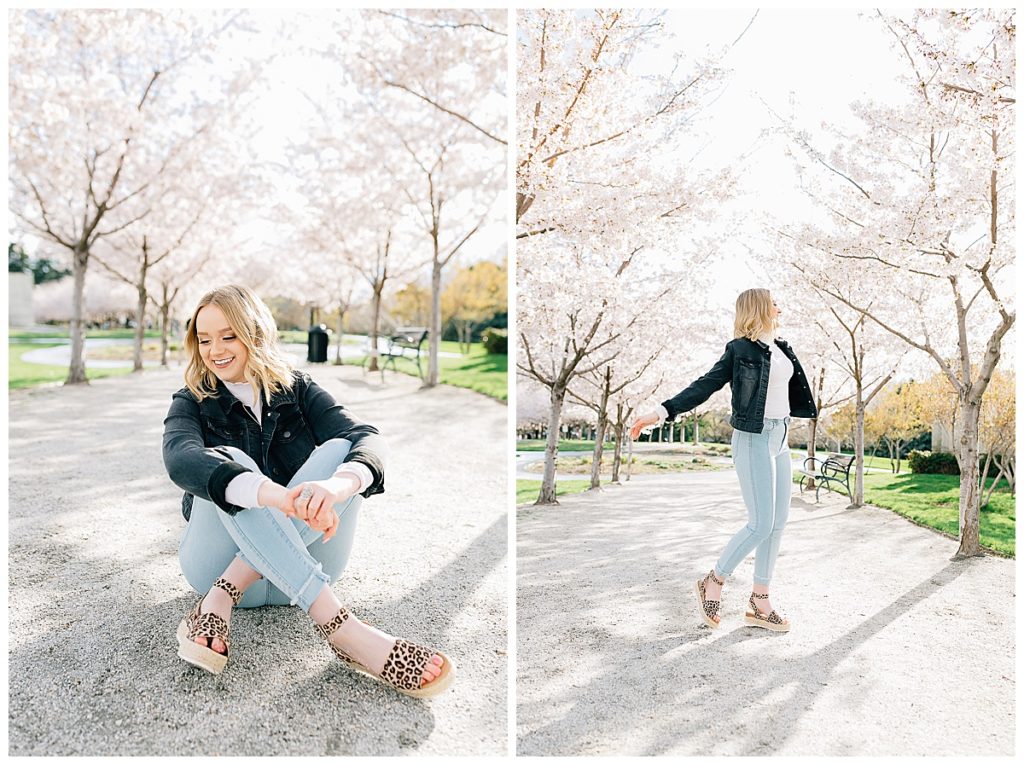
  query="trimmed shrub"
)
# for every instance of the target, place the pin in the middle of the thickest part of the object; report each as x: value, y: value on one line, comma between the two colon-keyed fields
x: 942, y: 463
x: 496, y: 340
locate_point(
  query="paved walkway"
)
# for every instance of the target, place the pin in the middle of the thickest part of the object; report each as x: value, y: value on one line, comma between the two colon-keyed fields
x: 895, y: 649
x: 96, y: 593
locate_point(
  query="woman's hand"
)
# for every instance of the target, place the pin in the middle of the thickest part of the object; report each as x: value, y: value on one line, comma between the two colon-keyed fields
x: 275, y: 495
x: 317, y: 507
x: 641, y: 422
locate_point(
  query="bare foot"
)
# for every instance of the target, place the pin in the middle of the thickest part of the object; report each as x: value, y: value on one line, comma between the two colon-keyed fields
x: 218, y: 602
x: 370, y: 647
x: 764, y: 605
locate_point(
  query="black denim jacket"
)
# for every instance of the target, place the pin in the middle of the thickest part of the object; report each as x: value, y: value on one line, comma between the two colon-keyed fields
x: 293, y: 424
x: 745, y: 366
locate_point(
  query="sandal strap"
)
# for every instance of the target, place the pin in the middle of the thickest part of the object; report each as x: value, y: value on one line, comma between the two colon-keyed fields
x: 233, y: 592
x: 710, y: 606
x: 404, y: 665
x: 208, y: 625
x: 327, y: 629
x: 715, y: 579
x: 403, y: 668
x: 773, y: 617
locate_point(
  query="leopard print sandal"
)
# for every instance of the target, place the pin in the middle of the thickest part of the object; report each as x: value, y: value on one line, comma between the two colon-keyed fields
x: 209, y: 626
x: 771, y: 621
x: 403, y: 668
x: 708, y: 608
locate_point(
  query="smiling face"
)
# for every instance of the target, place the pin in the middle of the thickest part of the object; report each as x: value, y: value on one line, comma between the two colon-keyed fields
x: 219, y: 347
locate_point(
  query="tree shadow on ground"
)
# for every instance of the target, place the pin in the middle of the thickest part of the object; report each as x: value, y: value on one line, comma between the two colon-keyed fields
x: 93, y: 613
x: 620, y: 664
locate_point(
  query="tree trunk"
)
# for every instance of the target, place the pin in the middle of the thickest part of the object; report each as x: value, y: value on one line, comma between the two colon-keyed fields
x: 696, y: 430
x: 602, y: 424
x: 165, y: 331
x: 813, y: 425
x: 433, y: 370
x: 858, y: 451
x: 617, y: 455
x: 341, y: 333
x: 378, y: 288
x: 547, y: 487
x: 76, y: 371
x: 140, y: 324
x: 970, y: 501
x: 595, y: 468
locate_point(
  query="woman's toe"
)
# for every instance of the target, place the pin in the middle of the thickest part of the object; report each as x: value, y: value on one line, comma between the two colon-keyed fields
x: 432, y: 671
x: 218, y: 646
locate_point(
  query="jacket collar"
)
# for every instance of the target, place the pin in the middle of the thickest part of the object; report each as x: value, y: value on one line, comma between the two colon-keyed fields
x: 777, y: 340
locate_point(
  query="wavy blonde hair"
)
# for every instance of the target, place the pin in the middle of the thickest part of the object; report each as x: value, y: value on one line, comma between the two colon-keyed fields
x: 754, y: 314
x: 254, y: 325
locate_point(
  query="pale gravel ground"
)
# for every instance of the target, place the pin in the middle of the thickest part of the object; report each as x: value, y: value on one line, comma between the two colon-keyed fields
x: 96, y: 592
x: 895, y: 649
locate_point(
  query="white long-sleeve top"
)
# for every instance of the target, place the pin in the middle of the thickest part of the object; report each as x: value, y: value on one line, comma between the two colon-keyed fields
x: 244, y: 489
x: 776, y: 406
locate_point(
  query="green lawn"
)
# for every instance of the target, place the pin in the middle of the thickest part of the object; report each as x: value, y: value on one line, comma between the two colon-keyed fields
x: 480, y: 371
x: 23, y: 375
x: 563, y: 446
x: 95, y: 334
x: 934, y: 501
x: 527, y: 491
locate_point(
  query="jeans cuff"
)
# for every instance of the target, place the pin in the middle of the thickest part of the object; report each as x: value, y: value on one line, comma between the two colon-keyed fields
x: 316, y: 574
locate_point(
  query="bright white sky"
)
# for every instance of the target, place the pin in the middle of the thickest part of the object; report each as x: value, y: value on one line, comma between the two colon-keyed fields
x: 812, y: 63
x: 283, y: 112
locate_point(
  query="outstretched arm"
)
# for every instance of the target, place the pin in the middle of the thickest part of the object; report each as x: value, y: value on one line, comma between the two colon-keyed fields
x: 701, y: 389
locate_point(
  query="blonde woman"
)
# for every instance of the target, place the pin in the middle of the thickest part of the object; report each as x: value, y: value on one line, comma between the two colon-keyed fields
x: 274, y: 471
x: 768, y: 389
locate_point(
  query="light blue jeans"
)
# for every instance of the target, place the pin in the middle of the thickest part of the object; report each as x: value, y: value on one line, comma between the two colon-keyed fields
x: 765, y: 471
x: 294, y: 563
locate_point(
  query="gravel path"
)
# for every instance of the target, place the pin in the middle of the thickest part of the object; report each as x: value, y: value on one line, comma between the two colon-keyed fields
x: 895, y: 649
x: 96, y: 593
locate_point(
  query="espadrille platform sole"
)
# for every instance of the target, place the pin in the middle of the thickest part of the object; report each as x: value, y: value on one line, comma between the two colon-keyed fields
x: 198, y: 655
x: 403, y: 668
x: 771, y: 621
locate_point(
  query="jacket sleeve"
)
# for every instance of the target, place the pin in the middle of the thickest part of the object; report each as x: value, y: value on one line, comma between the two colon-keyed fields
x: 701, y: 389
x: 198, y: 469
x: 328, y: 419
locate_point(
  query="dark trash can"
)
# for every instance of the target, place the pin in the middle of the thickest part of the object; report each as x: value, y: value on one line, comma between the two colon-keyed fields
x: 317, y: 344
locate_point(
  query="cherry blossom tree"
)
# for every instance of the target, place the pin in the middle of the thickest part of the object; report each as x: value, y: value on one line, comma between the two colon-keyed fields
x: 835, y: 339
x: 96, y: 105
x: 598, y: 202
x: 414, y: 52
x: 921, y: 201
x: 443, y: 91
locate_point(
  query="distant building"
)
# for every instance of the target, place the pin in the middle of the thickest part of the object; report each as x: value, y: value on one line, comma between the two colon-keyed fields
x: 19, y: 294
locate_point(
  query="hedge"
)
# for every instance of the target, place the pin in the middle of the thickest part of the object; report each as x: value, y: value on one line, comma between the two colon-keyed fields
x: 496, y: 340
x: 942, y: 463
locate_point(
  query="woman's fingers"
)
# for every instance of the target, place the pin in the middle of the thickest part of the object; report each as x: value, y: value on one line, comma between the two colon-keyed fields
x: 333, y: 527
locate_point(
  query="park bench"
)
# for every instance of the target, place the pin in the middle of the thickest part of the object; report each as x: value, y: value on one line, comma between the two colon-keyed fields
x: 405, y: 343
x: 833, y: 471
